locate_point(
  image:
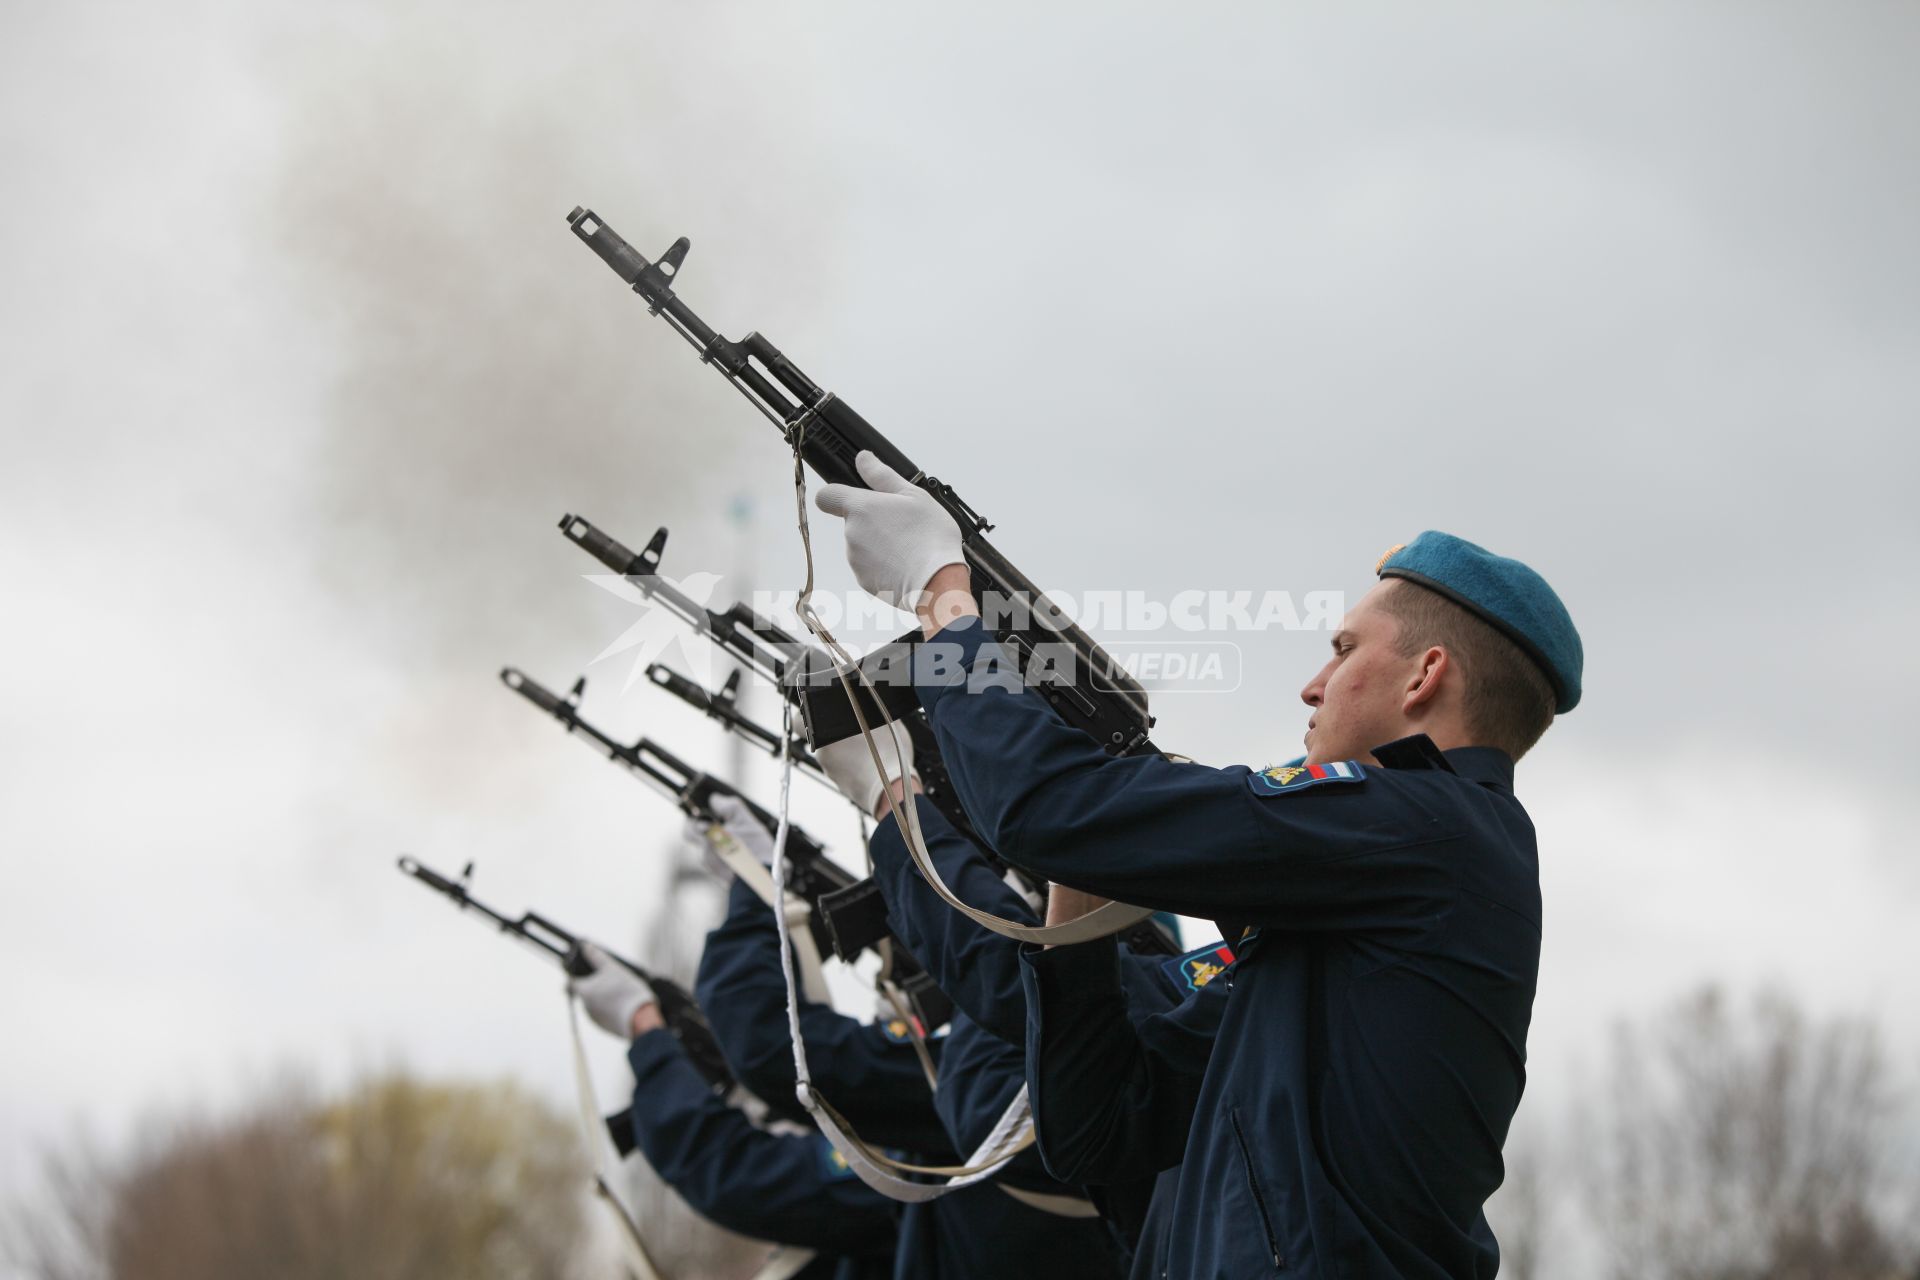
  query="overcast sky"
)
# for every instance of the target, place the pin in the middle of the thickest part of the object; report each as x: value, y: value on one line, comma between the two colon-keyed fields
x: 303, y: 366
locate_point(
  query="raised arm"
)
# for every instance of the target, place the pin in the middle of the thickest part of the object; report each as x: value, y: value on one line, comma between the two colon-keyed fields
x: 868, y: 1071
x: 1113, y: 1096
x: 1359, y: 850
x: 979, y: 970
x: 788, y: 1189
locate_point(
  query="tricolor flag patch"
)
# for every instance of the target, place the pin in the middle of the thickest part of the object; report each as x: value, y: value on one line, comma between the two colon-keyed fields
x: 1196, y: 969
x: 1298, y: 777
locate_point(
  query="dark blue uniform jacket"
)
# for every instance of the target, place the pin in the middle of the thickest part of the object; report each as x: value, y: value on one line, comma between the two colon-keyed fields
x: 980, y: 971
x: 1372, y: 1048
x: 977, y: 968
x: 868, y: 1070
x: 872, y: 1076
x: 979, y: 1077
x: 779, y: 1187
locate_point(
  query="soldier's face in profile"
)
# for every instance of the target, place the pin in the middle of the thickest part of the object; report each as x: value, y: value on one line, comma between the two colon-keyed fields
x: 1358, y: 698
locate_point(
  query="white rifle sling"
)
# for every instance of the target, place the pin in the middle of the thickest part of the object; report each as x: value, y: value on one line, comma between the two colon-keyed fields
x: 1012, y: 1133
x: 783, y: 1263
x: 1105, y: 919
x: 901, y: 1010
x: 626, y: 1231
x: 1061, y: 1206
x: 813, y: 978
x: 1108, y: 918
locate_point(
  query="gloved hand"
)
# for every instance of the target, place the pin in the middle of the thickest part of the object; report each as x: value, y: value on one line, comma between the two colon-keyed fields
x: 697, y: 833
x: 850, y: 765
x: 898, y: 536
x: 744, y: 828
x: 612, y: 993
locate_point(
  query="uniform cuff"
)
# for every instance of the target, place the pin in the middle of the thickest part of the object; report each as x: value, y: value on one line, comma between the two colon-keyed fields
x: 941, y: 665
x: 651, y: 1051
x: 1063, y: 980
x: 743, y: 903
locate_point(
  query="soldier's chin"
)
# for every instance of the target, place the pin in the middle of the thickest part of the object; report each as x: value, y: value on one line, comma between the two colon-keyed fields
x: 1324, y: 753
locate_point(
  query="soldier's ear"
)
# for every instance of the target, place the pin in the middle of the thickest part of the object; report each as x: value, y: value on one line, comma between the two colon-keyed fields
x: 1430, y: 673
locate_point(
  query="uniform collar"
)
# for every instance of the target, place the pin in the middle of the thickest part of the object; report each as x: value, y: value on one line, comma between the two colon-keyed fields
x: 1479, y: 764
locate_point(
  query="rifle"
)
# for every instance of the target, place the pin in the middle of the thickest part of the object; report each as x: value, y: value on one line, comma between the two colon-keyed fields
x: 723, y: 705
x: 1084, y: 685
x: 848, y: 914
x: 801, y: 672
x: 854, y: 913
x: 677, y: 1007
x: 749, y: 639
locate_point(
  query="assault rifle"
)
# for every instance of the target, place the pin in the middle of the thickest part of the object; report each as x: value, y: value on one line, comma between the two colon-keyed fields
x: 795, y: 668
x: 803, y: 673
x: 848, y: 914
x: 1082, y: 682
x: 677, y: 1008
x: 723, y: 705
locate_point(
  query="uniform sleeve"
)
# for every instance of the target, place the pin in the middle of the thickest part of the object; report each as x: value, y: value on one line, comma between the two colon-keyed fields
x: 979, y: 1080
x: 783, y: 1188
x: 1148, y: 982
x: 979, y: 1077
x: 1113, y: 1095
x: 874, y: 1079
x: 978, y: 969
x: 1364, y: 855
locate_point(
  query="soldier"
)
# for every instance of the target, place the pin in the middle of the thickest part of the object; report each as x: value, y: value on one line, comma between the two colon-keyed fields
x: 790, y: 1189
x: 981, y: 971
x: 870, y: 1069
x: 870, y: 1073
x: 1372, y: 1046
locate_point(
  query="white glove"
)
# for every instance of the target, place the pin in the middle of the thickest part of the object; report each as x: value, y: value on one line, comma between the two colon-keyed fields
x: 744, y: 829
x: 898, y: 536
x: 697, y: 833
x: 612, y: 993
x: 850, y: 764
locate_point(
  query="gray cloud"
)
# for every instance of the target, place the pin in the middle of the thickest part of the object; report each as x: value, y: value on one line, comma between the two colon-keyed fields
x: 304, y: 366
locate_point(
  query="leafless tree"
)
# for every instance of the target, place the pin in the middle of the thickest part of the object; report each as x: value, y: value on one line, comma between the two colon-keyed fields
x: 1748, y: 1143
x: 400, y: 1179
x: 1523, y: 1210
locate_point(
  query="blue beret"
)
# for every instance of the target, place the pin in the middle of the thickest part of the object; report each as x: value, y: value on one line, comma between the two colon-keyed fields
x: 1504, y: 592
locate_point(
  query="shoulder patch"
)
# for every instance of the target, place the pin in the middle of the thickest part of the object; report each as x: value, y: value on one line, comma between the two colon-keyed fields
x: 832, y: 1164
x: 897, y: 1030
x: 1196, y: 969
x: 1298, y: 777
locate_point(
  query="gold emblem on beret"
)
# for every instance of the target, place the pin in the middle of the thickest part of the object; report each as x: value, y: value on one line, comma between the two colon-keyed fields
x: 1392, y: 551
